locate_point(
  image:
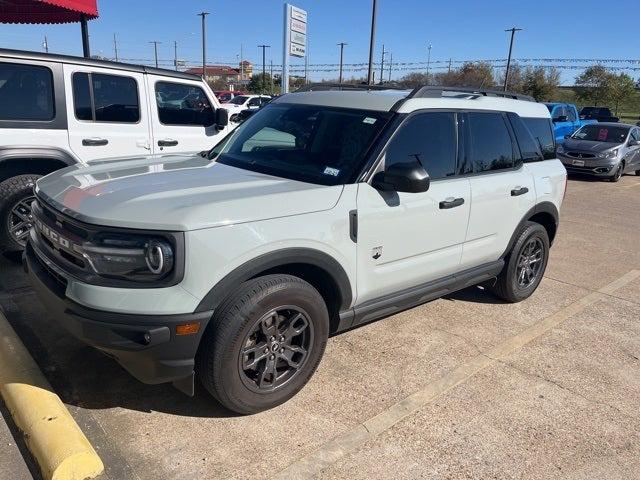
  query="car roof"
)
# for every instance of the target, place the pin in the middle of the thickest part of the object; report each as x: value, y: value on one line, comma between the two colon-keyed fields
x: 406, y: 101
x: 92, y: 62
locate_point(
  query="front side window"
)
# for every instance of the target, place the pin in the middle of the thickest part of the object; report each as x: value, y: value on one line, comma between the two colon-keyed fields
x: 254, y: 102
x: 309, y: 143
x: 635, y: 134
x: 182, y: 104
x: 239, y: 100
x: 105, y: 98
x: 571, y: 114
x: 429, y: 138
x: 26, y: 92
x: 560, y: 111
x: 490, y: 143
x: 601, y: 133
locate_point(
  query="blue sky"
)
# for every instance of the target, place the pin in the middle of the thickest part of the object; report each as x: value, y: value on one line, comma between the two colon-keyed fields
x: 460, y: 30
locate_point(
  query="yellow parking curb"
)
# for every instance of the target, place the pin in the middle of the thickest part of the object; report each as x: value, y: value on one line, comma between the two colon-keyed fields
x: 52, y: 435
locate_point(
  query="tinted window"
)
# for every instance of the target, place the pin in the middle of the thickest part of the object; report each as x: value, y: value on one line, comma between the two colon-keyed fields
x: 115, y: 98
x: 26, y: 92
x: 82, y: 96
x: 635, y: 134
x: 542, y: 132
x: 254, y: 102
x: 429, y: 138
x: 181, y: 104
x: 571, y: 114
x: 490, y: 146
x: 529, y: 148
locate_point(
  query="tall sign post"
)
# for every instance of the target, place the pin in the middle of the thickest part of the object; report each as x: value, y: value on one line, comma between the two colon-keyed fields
x: 294, y: 41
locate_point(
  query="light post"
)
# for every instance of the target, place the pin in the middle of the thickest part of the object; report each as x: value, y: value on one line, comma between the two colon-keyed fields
x: 155, y: 50
x: 428, y: 62
x: 506, y: 73
x: 204, y: 43
x: 264, y: 48
x: 341, y: 44
x: 382, y: 65
x: 372, y: 41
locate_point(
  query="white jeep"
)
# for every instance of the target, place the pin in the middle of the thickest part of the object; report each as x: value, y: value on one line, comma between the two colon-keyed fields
x: 326, y: 209
x: 57, y: 111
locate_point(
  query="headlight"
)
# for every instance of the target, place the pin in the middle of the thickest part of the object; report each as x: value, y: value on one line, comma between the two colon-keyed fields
x: 559, y: 148
x: 612, y: 154
x: 137, y: 258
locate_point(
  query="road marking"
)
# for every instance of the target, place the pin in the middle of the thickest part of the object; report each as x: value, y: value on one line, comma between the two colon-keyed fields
x: 350, y: 441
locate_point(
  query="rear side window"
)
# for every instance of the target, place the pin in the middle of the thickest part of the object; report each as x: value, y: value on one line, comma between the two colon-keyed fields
x: 490, y: 146
x: 429, y: 138
x: 26, y: 92
x: 529, y: 148
x: 105, y: 98
x: 542, y: 132
x: 182, y: 104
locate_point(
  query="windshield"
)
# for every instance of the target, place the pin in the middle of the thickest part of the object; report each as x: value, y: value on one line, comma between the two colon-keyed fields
x: 239, y: 100
x: 550, y: 107
x: 601, y: 133
x: 310, y: 143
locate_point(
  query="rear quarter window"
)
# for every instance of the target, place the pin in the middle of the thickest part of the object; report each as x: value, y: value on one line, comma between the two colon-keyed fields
x: 542, y: 132
x: 26, y: 92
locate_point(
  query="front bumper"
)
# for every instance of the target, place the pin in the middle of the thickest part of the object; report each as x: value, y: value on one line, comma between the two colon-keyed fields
x: 145, y: 345
x: 595, y: 167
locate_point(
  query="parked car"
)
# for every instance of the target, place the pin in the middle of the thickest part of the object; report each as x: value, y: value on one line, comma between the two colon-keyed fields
x: 565, y: 119
x: 323, y: 211
x: 57, y: 111
x: 225, y: 96
x: 606, y: 150
x: 245, y: 102
x: 600, y: 114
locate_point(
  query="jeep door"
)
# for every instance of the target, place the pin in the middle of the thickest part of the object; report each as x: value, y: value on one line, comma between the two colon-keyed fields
x: 107, y: 112
x: 408, y: 239
x: 502, y: 189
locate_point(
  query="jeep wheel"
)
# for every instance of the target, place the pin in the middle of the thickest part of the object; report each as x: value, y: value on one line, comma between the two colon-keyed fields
x: 16, y: 195
x: 525, y: 264
x: 618, y: 173
x: 263, y: 343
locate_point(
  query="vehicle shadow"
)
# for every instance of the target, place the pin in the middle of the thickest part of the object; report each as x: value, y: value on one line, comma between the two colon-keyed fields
x: 475, y: 294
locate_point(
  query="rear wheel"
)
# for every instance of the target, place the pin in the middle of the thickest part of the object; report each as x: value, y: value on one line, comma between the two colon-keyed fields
x: 16, y: 195
x: 525, y: 264
x: 263, y: 343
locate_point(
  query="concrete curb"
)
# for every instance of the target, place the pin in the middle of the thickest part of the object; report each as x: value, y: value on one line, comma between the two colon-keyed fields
x: 51, y: 434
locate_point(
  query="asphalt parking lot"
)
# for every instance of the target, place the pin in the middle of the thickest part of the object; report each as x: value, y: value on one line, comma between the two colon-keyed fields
x: 462, y: 387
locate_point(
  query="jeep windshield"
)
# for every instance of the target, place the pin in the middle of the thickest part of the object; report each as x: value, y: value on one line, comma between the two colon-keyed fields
x: 309, y: 143
x: 601, y: 133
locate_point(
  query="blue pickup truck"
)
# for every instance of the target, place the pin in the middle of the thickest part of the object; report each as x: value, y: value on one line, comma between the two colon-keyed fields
x: 565, y: 119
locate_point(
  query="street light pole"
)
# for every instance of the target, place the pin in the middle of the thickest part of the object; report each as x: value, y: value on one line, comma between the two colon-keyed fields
x: 372, y: 41
x: 175, y: 54
x: 155, y: 50
x: 428, y: 62
x: 264, y: 48
x: 341, y: 44
x: 204, y: 43
x: 115, y: 46
x: 506, y: 73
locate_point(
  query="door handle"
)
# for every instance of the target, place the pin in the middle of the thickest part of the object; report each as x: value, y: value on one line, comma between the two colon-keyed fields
x: 519, y: 191
x: 94, y: 142
x: 451, y: 203
x: 167, y: 143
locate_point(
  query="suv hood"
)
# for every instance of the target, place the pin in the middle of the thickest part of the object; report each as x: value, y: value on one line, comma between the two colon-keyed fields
x: 177, y: 193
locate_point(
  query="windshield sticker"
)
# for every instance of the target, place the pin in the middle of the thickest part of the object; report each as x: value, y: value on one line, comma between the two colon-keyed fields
x: 331, y: 171
x: 602, y: 134
x: 369, y: 120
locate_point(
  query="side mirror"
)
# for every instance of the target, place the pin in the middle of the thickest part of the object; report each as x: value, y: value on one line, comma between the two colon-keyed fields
x: 407, y: 177
x: 561, y: 118
x: 222, y: 118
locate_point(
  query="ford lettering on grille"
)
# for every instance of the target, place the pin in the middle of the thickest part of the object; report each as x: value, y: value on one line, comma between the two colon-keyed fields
x: 54, y: 237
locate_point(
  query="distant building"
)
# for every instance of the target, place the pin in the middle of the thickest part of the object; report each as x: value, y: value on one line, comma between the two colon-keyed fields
x: 226, y: 73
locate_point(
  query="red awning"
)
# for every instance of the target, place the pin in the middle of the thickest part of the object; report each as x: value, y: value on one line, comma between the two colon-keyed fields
x: 47, y: 11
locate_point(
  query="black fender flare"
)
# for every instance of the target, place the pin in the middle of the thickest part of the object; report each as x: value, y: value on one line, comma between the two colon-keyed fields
x: 542, y: 207
x: 43, y: 153
x: 279, y: 258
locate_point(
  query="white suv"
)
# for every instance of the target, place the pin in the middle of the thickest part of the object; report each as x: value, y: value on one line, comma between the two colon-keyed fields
x: 57, y: 111
x: 240, y: 103
x: 323, y: 211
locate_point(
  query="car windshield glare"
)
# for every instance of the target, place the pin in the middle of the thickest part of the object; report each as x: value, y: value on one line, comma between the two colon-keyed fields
x: 601, y: 133
x: 309, y: 143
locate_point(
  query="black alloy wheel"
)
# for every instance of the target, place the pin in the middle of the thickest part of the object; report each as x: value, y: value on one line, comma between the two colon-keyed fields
x: 529, y: 263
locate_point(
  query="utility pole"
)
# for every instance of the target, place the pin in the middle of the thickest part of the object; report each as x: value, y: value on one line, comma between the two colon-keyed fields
x: 241, y: 65
x: 155, y: 50
x: 271, y: 73
x: 115, y: 46
x: 175, y: 54
x: 390, y: 64
x: 506, y: 73
x: 204, y: 43
x: 449, y: 70
x: 341, y: 44
x: 372, y: 41
x: 382, y: 65
x: 46, y: 44
x: 264, y: 49
x: 428, y: 62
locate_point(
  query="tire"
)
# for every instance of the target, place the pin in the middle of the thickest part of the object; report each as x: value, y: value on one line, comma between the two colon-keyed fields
x: 638, y: 173
x: 242, y: 323
x: 13, y: 191
x: 618, y: 175
x: 507, y: 286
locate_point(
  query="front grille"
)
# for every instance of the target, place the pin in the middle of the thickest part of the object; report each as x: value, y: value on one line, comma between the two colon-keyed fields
x: 580, y: 155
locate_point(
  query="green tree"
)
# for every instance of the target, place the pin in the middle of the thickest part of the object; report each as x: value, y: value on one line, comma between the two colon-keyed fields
x: 622, y: 89
x: 541, y: 83
x: 516, y: 79
x: 259, y: 83
x: 595, y: 85
x: 470, y: 74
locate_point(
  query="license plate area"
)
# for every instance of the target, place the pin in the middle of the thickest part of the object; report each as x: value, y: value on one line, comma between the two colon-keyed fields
x: 578, y: 163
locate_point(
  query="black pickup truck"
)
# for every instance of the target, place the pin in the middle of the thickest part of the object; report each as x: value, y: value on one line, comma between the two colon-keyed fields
x: 601, y: 114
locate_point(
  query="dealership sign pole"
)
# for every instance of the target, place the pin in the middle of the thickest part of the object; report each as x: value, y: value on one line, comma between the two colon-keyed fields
x: 295, y: 40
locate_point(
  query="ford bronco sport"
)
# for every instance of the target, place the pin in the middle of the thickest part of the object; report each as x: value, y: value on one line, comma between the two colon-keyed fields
x: 329, y: 208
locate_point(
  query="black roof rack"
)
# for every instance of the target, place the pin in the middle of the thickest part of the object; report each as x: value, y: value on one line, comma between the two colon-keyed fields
x: 430, y: 91
x: 319, y: 87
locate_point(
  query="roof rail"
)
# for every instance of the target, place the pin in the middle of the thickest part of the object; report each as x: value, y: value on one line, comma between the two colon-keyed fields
x: 317, y: 87
x: 429, y: 91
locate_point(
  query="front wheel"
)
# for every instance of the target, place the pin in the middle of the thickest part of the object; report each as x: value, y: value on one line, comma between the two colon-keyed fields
x: 618, y: 173
x: 16, y: 195
x: 263, y: 343
x: 525, y: 264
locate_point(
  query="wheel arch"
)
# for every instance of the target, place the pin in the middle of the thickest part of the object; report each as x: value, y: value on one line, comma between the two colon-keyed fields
x: 544, y: 213
x: 24, y: 160
x: 320, y: 269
